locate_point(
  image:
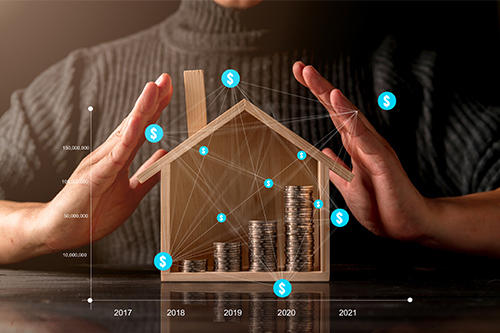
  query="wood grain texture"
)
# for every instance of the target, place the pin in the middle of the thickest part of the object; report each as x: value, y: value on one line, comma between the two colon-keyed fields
x: 165, y: 223
x: 196, y: 108
x: 324, y: 218
x: 245, y: 105
x: 230, y: 179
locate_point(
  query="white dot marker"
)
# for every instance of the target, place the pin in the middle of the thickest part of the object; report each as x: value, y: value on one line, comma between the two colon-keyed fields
x: 410, y: 299
x: 90, y: 300
x: 90, y: 108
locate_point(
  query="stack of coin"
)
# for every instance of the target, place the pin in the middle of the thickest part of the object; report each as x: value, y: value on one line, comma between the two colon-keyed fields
x: 193, y: 266
x: 224, y: 302
x: 263, y: 307
x: 303, y: 321
x: 227, y: 257
x: 262, y: 245
x: 189, y: 297
x: 299, y: 228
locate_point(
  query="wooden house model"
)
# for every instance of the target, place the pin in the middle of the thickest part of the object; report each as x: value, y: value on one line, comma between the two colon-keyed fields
x: 246, y: 146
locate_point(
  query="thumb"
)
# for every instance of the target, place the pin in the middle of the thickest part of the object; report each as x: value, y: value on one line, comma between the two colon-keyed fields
x: 140, y: 190
x: 334, y: 178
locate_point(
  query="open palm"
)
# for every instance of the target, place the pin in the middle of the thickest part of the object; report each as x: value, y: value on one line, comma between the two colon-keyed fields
x: 381, y: 196
x: 110, y: 193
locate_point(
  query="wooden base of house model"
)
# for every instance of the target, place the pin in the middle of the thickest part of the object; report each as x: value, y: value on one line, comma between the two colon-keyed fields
x: 246, y: 146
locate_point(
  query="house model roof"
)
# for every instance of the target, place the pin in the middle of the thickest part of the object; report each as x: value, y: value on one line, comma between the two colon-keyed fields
x: 245, y: 106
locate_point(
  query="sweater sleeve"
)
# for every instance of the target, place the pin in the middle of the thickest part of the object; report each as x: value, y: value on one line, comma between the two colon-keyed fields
x: 43, y: 118
x: 446, y: 135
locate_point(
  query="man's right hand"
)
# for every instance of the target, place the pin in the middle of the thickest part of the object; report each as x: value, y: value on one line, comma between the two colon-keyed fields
x: 109, y: 195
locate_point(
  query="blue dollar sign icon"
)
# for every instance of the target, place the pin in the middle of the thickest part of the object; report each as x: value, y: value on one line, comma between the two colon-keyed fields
x: 230, y: 78
x: 163, y: 261
x: 153, y: 133
x: 203, y: 150
x: 301, y: 155
x: 282, y: 288
x: 318, y: 204
x: 221, y: 218
x: 386, y: 100
x: 339, y: 217
x: 268, y: 183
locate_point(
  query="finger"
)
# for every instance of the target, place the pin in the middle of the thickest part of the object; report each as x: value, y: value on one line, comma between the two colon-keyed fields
x: 164, y: 101
x: 297, y: 69
x: 321, y: 88
x: 142, y: 110
x: 334, y: 178
x: 359, y: 132
x: 162, y: 105
x: 318, y: 85
x: 140, y: 190
x: 124, y: 141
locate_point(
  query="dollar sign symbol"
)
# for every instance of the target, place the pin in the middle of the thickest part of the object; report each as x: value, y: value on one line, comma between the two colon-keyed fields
x: 153, y: 133
x: 230, y: 79
x: 162, y: 261
x: 282, y: 288
x: 386, y: 100
x: 339, y: 218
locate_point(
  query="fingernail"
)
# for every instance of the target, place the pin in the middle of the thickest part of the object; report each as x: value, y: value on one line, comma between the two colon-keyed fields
x: 342, y: 95
x: 158, y: 80
x: 314, y: 69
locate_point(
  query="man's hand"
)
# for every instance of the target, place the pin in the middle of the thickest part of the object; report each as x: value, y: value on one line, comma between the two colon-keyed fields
x: 110, y: 193
x: 381, y: 196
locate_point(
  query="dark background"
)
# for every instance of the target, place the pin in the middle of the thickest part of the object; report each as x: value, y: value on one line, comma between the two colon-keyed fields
x: 36, y: 34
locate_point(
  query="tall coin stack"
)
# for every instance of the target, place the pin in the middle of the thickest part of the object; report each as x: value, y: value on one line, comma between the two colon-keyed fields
x: 193, y: 266
x: 262, y: 245
x: 262, y: 318
x: 227, y: 257
x: 299, y: 228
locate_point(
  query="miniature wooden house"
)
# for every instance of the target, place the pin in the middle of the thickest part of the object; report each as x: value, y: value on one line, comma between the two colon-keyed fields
x: 246, y: 146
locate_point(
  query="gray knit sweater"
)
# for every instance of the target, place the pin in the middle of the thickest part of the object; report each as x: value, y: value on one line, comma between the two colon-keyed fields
x: 448, y: 144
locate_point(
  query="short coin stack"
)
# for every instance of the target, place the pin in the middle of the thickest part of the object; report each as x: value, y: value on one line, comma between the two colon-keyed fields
x: 223, y: 302
x: 299, y: 228
x: 227, y: 257
x: 193, y: 266
x: 303, y: 321
x: 262, y: 245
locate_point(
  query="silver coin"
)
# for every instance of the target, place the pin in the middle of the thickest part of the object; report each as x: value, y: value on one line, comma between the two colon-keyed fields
x: 299, y: 228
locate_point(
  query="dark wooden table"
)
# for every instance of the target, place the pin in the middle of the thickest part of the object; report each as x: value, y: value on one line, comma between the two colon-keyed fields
x: 444, y: 299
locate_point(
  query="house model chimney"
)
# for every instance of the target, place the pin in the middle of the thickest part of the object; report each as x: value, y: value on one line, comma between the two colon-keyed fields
x: 196, y: 107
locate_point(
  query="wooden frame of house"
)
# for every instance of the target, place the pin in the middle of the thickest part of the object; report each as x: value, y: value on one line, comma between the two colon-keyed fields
x: 245, y: 147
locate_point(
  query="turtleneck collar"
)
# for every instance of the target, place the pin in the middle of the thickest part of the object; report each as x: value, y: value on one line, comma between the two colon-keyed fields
x: 201, y: 26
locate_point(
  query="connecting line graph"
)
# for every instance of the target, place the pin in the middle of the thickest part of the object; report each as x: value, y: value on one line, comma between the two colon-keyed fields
x: 252, y: 141
x: 196, y: 244
x: 330, y: 300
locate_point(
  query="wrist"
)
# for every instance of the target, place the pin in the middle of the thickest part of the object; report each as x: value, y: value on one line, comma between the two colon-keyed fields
x: 21, y: 230
x: 34, y: 230
x: 428, y: 223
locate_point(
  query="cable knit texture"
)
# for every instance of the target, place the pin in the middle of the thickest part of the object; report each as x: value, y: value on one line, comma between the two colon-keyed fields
x: 448, y: 144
